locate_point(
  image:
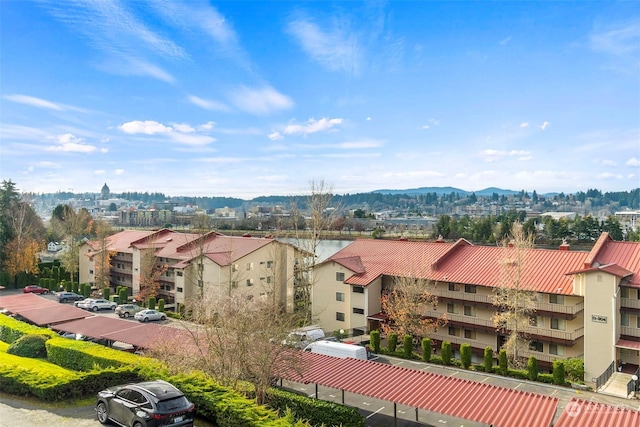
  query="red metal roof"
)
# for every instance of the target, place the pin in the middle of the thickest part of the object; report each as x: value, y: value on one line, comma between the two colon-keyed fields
x: 582, y: 413
x: 626, y: 255
x: 456, y: 397
x: 41, y: 311
x: 633, y: 345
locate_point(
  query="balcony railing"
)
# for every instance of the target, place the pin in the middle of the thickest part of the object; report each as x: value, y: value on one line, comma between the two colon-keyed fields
x: 470, y: 320
x: 632, y: 332
x: 488, y: 299
x: 630, y: 302
x: 458, y: 340
x: 554, y: 333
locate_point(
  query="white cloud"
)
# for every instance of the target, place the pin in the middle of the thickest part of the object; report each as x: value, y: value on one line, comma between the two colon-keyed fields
x: 368, y: 119
x: 182, y: 127
x: 334, y: 49
x: 431, y: 122
x: 505, y: 41
x: 147, y: 127
x: 190, y: 139
x: 118, y: 171
x: 491, y: 156
x: 275, y: 135
x: 260, y: 101
x: 608, y: 163
x: 100, y: 172
x: 207, y: 126
x: 633, y: 162
x: 524, y: 124
x: 311, y: 126
x: 207, y: 104
x: 544, y: 125
x: 360, y: 144
x: 71, y: 144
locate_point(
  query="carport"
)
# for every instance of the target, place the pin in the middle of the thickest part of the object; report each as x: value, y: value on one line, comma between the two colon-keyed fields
x: 455, y: 397
x: 582, y: 413
x: 41, y: 311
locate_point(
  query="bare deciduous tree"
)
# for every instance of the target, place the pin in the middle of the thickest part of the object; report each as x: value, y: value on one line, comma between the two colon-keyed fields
x: 515, y: 304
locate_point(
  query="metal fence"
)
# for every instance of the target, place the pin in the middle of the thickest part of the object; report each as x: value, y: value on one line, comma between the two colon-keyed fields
x: 633, y: 384
x: 604, y: 377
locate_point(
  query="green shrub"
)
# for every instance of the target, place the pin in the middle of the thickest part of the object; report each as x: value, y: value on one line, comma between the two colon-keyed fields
x: 85, y: 355
x: 521, y: 374
x: 574, y: 369
x: 123, y: 295
x: 29, y: 346
x: 106, y: 293
x: 558, y: 372
x: 375, y: 341
x: 12, y: 329
x: 465, y: 355
x: 161, y: 304
x: 503, y: 362
x: 86, y: 290
x: 488, y: 359
x: 532, y: 368
x: 545, y: 378
x: 152, y: 303
x: 74, y: 287
x: 407, y: 346
x: 393, y: 342
x: 445, y: 352
x: 426, y: 349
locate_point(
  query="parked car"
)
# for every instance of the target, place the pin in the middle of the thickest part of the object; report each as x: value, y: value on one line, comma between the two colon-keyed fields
x: 127, y: 310
x: 146, y: 404
x: 69, y: 296
x: 94, y: 304
x: 146, y: 315
x: 35, y: 289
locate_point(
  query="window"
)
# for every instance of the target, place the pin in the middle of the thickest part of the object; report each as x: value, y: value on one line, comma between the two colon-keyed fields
x: 559, y: 324
x: 536, y: 346
x: 234, y: 284
x: 339, y: 276
x: 339, y: 316
x: 249, y: 282
x: 453, y: 331
x: 533, y: 320
x: 179, y: 289
x: 339, y: 296
x: 469, y: 311
x: 624, y: 319
x: 638, y: 321
x: 470, y: 289
x: 358, y: 289
x: 90, y: 271
x: 269, y: 279
x: 556, y: 299
x: 234, y: 267
x: 269, y: 264
x: 451, y: 308
x: 179, y: 273
x: 624, y: 292
x: 358, y: 310
x: 556, y: 349
x: 454, y: 287
x: 249, y: 266
x: 470, y: 334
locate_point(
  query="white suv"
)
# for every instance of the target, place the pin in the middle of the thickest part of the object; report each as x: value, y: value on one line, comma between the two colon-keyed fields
x: 96, y: 304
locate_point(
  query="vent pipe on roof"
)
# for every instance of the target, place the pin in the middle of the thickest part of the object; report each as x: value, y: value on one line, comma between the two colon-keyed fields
x: 565, y: 246
x: 440, y: 239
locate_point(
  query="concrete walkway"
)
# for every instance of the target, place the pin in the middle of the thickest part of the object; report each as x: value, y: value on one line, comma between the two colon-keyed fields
x: 617, y: 385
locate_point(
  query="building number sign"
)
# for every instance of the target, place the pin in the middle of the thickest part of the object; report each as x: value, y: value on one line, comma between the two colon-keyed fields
x: 598, y: 318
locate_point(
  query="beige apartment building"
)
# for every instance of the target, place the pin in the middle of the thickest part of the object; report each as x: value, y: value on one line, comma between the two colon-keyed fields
x: 587, y: 303
x: 194, y: 263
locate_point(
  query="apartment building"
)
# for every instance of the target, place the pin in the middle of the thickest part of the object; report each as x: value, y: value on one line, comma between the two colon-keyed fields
x: 214, y: 263
x: 587, y: 303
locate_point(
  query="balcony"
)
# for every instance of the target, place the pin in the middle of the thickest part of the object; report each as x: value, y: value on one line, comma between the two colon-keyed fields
x: 546, y: 334
x: 630, y: 303
x: 630, y: 332
x: 560, y: 308
x: 467, y: 320
x: 464, y: 296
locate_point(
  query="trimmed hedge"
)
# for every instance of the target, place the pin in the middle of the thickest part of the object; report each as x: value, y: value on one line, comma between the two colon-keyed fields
x: 11, y: 329
x: 488, y: 359
x: 375, y: 341
x: 445, y: 352
x: 407, y: 346
x: 426, y: 349
x: 29, y: 346
x: 393, y: 342
x: 86, y: 356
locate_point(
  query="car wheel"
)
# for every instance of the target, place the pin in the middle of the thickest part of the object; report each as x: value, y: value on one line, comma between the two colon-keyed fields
x: 45, y: 292
x: 113, y: 307
x: 94, y: 308
x: 103, y: 413
x: 146, y: 319
x: 163, y: 318
x: 137, y: 425
x: 126, y: 314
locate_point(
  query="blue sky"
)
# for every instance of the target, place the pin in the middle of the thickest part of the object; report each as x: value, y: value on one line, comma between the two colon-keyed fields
x: 245, y: 99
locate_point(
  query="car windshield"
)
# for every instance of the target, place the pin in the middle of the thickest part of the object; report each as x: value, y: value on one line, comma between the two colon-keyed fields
x: 174, y: 404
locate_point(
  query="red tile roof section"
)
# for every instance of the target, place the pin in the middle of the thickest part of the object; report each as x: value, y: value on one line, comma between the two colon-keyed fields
x: 432, y: 392
x: 544, y: 269
x: 582, y: 413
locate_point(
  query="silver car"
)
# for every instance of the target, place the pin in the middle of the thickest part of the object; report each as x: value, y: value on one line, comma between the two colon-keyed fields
x: 96, y: 304
x: 127, y: 310
x: 146, y: 315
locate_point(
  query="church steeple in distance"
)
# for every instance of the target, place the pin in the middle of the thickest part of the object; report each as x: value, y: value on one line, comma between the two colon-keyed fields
x: 105, y: 193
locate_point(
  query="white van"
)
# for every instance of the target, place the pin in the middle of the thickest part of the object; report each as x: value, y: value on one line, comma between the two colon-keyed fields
x: 301, y: 337
x: 337, y: 349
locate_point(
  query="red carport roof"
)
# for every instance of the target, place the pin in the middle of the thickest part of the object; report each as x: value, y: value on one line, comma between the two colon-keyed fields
x: 582, y: 413
x: 456, y: 397
x: 137, y: 334
x: 39, y: 310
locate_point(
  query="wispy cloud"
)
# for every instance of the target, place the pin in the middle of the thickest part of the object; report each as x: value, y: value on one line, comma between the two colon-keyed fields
x: 40, y: 103
x: 178, y: 132
x: 311, y: 126
x: 545, y: 125
x: 505, y: 41
x: 524, y: 125
x: 260, y: 102
x: 336, y: 49
x: 431, y: 123
x: 618, y: 40
x: 633, y: 162
x: 491, y: 156
x: 207, y: 104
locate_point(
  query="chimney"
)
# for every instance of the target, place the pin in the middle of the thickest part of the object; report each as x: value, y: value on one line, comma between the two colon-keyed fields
x: 511, y: 244
x: 440, y: 239
x: 565, y: 245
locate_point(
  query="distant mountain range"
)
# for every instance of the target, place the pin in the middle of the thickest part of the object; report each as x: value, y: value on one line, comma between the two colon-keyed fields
x: 448, y: 190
